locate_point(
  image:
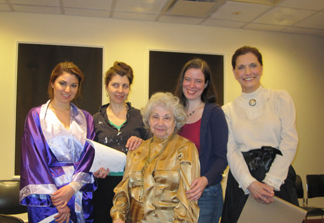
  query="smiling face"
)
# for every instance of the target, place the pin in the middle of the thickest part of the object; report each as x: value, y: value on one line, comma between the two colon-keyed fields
x: 193, y: 84
x: 118, y: 89
x: 248, y: 72
x: 162, y: 122
x: 65, y: 87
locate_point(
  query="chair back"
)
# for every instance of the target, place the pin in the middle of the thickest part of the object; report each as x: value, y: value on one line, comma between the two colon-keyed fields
x: 10, y: 219
x: 9, y: 197
x: 299, y: 187
x: 315, y: 185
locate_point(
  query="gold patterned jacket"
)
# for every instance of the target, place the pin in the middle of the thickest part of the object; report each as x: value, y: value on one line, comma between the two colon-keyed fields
x: 157, y: 175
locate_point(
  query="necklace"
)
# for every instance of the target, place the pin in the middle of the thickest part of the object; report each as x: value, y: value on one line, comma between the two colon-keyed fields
x: 252, y: 102
x: 191, y: 113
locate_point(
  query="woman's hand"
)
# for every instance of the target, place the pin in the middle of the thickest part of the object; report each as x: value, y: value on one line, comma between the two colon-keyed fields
x: 61, y: 197
x: 133, y: 142
x: 101, y: 173
x: 63, y: 215
x: 118, y: 221
x: 197, y: 188
x: 261, y: 192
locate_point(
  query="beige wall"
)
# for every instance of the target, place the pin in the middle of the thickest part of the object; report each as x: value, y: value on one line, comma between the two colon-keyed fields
x: 291, y: 62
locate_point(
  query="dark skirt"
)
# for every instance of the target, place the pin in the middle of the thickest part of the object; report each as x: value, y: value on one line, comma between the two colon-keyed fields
x: 235, y: 198
x: 103, y: 198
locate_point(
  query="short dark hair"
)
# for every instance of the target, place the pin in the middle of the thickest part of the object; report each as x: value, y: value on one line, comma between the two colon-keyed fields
x: 244, y: 50
x: 209, y: 94
x: 121, y: 69
x: 70, y: 68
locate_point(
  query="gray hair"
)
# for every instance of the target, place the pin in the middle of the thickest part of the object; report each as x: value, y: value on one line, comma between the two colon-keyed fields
x: 168, y: 101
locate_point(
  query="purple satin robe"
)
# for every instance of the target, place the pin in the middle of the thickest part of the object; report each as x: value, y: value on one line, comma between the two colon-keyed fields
x: 41, y: 170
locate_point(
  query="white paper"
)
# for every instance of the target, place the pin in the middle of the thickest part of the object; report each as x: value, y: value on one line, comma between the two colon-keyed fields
x: 51, y: 219
x: 107, y: 157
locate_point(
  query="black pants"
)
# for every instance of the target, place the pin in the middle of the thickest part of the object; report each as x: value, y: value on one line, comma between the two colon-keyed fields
x: 103, y: 197
x: 235, y: 198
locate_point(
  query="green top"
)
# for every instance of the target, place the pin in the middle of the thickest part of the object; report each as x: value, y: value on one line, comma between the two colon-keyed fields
x: 117, y: 126
x: 116, y: 173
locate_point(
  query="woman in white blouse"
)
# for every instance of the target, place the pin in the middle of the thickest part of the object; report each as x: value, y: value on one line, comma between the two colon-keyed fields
x: 262, y: 139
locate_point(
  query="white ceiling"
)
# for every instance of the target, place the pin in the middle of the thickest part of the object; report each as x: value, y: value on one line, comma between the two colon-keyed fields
x: 288, y: 16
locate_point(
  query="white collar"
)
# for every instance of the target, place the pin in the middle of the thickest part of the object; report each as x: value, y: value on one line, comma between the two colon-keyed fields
x: 253, y: 103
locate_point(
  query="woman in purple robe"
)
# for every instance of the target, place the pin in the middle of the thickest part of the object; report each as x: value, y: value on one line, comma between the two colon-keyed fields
x: 56, y: 158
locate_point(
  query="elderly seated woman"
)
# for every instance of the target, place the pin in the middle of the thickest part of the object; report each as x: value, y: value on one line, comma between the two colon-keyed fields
x: 160, y: 171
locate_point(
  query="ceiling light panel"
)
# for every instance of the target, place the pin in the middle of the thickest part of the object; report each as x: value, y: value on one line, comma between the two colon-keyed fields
x: 284, y: 16
x: 36, y: 2
x: 140, y: 6
x: 238, y: 11
x: 88, y: 4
